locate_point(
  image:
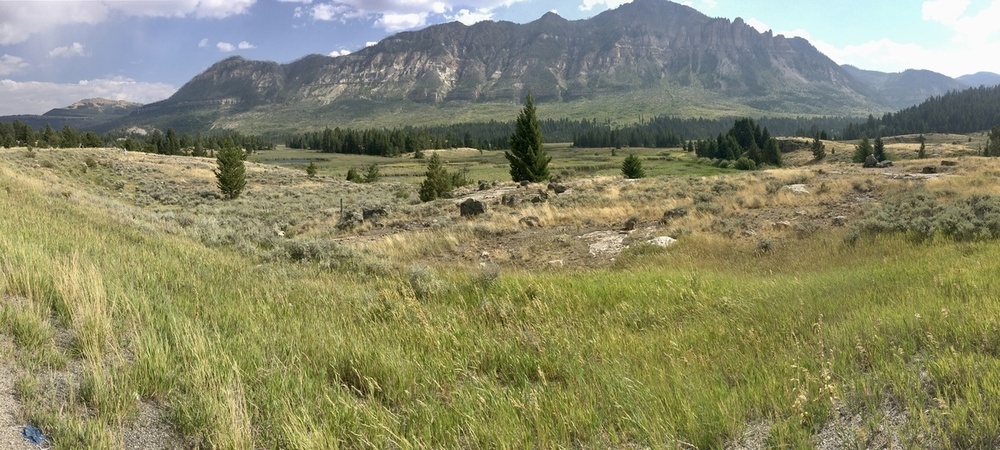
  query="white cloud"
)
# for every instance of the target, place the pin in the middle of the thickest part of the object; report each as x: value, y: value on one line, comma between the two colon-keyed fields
x: 12, y: 64
x: 225, y: 47
x: 397, y: 15
x: 972, y: 29
x: 400, y: 22
x: 19, y: 20
x: 588, y: 5
x: 471, y: 17
x: 76, y: 49
x: 34, y: 97
x: 244, y: 45
x: 336, y: 53
x: 370, y: 43
x: 203, y: 43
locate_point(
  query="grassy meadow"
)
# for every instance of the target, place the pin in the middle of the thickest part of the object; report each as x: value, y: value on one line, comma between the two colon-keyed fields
x: 133, y: 296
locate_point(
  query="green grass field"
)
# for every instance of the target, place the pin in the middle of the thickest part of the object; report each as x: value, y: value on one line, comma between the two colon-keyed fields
x: 705, y: 344
x: 491, y: 165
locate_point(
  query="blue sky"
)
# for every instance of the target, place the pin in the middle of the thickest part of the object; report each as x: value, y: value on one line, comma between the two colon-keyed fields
x: 54, y: 53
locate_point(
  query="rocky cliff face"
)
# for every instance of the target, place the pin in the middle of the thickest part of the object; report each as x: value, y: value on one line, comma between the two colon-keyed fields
x: 654, y: 47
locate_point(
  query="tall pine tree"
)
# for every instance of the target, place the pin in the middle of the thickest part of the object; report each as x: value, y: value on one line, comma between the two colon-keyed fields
x: 528, y: 160
x: 231, y: 173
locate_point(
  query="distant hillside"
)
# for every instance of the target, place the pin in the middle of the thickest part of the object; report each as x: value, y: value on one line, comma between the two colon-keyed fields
x: 908, y: 88
x: 968, y: 111
x: 980, y: 79
x: 645, y: 58
x: 84, y: 114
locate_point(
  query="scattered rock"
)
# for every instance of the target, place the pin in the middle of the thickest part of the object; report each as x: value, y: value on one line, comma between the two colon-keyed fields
x: 870, y: 162
x: 510, y: 200
x: 484, y: 185
x: 472, y: 207
x: 557, y: 188
x: 662, y: 241
x: 884, y: 164
x: 782, y: 225
x: 541, y: 197
x: 374, y: 213
x: 631, y: 224
x: 929, y: 170
x: 525, y: 183
x: 948, y: 163
x: 839, y: 221
x: 530, y: 222
x: 798, y: 189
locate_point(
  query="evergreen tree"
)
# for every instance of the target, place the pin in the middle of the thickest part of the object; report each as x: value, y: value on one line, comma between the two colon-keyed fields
x: 353, y: 176
x: 231, y: 173
x: 528, y: 160
x: 311, y: 169
x: 879, y: 150
x: 372, y: 174
x: 922, y: 153
x: 437, y: 184
x: 632, y: 167
x: 993, y: 145
x: 772, y: 154
x: 862, y: 150
x: 818, y: 149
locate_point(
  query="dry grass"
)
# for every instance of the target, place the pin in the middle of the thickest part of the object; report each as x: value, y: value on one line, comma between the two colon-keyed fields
x: 259, y: 323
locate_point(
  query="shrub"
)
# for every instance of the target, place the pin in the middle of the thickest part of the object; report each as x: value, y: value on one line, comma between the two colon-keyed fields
x: 311, y: 169
x: 744, y: 163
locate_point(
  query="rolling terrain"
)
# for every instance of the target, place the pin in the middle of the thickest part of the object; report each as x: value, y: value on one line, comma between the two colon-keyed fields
x: 148, y: 312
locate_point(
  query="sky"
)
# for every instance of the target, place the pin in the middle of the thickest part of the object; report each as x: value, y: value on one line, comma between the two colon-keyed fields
x: 56, y: 52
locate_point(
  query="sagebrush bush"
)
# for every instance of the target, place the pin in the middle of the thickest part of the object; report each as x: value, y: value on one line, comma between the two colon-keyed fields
x: 922, y: 216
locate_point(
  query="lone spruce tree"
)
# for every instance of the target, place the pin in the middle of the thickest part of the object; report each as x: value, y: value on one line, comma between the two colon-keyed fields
x: 632, y: 167
x: 528, y: 160
x: 231, y: 173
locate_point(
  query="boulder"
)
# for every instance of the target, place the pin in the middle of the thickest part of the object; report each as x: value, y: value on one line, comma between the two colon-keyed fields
x: 840, y: 221
x: 373, y: 213
x: 484, y: 185
x: 798, y: 189
x: 350, y: 220
x: 472, y: 207
x: 662, y: 241
x: 510, y: 200
x: 929, y: 170
x: 557, y: 188
x: 540, y: 197
x: 870, y: 162
x: 631, y: 224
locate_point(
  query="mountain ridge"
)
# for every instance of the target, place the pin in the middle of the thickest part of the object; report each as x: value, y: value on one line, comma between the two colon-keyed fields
x: 644, y: 58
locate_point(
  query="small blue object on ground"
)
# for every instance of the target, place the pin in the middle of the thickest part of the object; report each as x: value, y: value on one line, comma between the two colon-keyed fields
x: 34, y: 434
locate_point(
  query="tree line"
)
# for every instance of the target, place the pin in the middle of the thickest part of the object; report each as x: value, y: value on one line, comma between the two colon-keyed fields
x: 19, y: 134
x: 959, y: 112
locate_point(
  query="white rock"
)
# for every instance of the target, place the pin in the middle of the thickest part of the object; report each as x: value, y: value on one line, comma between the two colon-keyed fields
x: 662, y: 241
